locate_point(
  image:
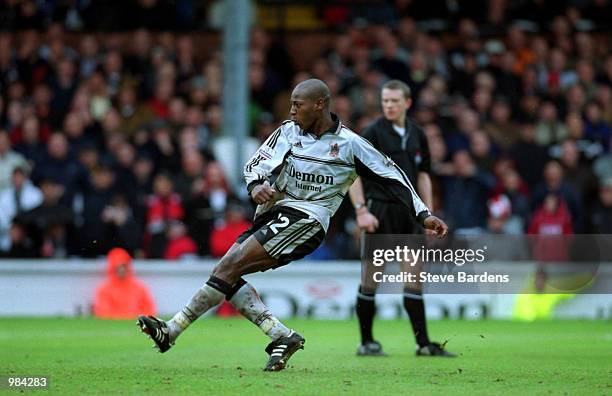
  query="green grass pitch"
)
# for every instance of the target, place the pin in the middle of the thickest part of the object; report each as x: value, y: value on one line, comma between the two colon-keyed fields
x: 225, y: 356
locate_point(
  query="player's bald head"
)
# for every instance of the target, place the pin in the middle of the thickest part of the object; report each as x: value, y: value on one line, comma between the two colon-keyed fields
x: 312, y: 89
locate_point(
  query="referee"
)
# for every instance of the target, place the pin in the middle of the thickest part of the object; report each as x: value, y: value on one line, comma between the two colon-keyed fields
x: 403, y: 140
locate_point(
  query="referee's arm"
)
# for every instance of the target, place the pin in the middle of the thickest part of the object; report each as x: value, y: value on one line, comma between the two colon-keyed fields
x: 365, y: 220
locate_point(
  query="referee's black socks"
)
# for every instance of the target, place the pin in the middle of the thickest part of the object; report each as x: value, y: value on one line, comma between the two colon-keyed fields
x: 413, y: 303
x: 366, y: 310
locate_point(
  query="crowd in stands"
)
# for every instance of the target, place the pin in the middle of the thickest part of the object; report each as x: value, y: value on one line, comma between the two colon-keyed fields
x: 109, y: 141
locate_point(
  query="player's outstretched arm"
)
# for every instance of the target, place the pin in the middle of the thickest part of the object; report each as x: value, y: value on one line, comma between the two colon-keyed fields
x: 371, y: 163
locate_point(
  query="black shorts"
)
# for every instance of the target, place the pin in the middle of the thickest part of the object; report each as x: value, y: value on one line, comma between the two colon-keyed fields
x: 394, y: 218
x: 287, y: 234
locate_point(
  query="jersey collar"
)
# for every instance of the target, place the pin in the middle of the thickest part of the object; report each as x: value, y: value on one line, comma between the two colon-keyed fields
x: 335, y: 129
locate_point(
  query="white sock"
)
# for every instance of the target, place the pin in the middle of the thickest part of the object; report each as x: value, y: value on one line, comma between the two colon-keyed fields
x: 204, y: 299
x: 247, y: 301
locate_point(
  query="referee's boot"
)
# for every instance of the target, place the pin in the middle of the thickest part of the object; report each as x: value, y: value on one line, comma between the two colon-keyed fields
x: 370, y: 348
x: 157, y: 330
x: 433, y: 349
x: 282, y: 349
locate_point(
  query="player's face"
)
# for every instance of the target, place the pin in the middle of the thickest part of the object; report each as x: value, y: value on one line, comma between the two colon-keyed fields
x: 303, y: 111
x: 394, y: 104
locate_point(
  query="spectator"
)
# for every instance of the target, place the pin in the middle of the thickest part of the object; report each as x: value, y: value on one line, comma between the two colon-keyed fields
x: 199, y: 216
x: 500, y: 219
x: 604, y: 98
x: 89, y: 55
x: 124, y: 158
x: 467, y: 124
x: 180, y: 245
x: 600, y: 221
x: 120, y: 227
x: 500, y: 127
x: 556, y: 184
x: 602, y: 167
x: 20, y: 197
x: 30, y: 126
x: 50, y: 225
x: 134, y: 115
x: 556, y: 77
x: 465, y: 195
x: 113, y: 71
x: 596, y: 128
x: 515, y: 190
x: 31, y: 145
x: 64, y: 85
x: 9, y: 160
x: 223, y: 236
x: 190, y: 181
x: 13, y: 116
x: 165, y: 151
x: 76, y: 134
x: 97, y: 196
x: 143, y: 171
x: 20, y: 243
x: 122, y: 295
x: 549, y: 129
x: 60, y: 165
x: 551, y: 220
x: 579, y: 176
x: 482, y: 151
x: 217, y: 189
x: 159, y: 103
x: 528, y: 156
x: 164, y: 207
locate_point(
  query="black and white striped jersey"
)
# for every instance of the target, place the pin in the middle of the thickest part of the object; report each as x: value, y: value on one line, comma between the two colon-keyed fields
x: 315, y: 173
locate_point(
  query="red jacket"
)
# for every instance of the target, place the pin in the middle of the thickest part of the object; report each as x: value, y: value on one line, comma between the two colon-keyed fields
x: 161, y: 210
x: 122, y: 298
x: 179, y: 247
x: 550, y: 244
x: 222, y: 238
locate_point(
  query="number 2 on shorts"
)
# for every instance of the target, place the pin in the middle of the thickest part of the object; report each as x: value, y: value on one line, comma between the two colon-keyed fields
x: 284, y: 222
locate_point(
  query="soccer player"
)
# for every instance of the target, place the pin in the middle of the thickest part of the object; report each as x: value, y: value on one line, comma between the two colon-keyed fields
x: 403, y: 140
x: 316, y: 159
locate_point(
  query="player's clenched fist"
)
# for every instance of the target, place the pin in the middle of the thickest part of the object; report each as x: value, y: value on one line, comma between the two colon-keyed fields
x: 262, y: 193
x: 435, y: 224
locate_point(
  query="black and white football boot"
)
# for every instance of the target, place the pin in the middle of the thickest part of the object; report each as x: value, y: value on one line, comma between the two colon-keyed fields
x: 281, y: 350
x: 433, y: 349
x: 157, y: 330
x: 370, y: 348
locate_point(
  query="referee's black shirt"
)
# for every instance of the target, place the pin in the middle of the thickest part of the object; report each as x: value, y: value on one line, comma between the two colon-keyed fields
x: 410, y: 152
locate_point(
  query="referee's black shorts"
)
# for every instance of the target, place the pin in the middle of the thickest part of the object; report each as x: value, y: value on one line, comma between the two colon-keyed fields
x: 393, y: 218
